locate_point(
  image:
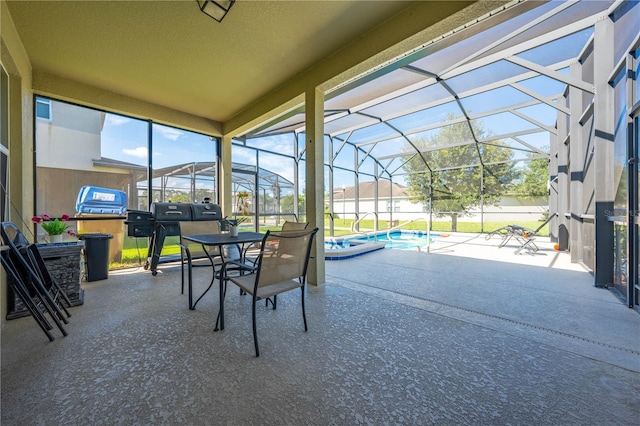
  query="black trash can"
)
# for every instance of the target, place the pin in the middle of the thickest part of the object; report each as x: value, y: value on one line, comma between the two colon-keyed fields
x: 96, y: 252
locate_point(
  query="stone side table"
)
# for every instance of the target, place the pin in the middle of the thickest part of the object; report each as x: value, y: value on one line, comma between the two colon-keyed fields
x: 63, y: 262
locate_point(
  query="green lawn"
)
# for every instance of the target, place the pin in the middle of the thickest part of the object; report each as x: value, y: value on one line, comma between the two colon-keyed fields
x: 134, y: 251
x: 344, y: 227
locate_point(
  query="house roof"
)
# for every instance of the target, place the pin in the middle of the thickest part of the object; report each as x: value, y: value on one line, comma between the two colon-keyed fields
x: 366, y: 191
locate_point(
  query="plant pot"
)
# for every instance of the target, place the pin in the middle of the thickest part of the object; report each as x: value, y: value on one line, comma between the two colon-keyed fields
x: 233, y: 231
x: 55, y: 238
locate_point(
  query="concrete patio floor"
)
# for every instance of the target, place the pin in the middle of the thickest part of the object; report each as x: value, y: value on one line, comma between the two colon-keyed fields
x: 467, y: 334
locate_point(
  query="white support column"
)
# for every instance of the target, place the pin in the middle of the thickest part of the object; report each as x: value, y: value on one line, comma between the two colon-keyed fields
x: 561, y: 191
x: 576, y: 171
x: 225, y: 177
x: 314, y: 190
x: 604, y: 152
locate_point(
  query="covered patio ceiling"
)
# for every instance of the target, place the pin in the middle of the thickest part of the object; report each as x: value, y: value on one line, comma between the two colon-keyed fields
x: 502, y: 76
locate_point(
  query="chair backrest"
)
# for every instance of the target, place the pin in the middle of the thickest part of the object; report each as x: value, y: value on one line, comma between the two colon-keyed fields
x: 285, y: 256
x: 294, y: 226
x: 37, y: 262
x: 18, y: 245
x: 23, y: 290
x: 11, y: 235
x: 197, y: 228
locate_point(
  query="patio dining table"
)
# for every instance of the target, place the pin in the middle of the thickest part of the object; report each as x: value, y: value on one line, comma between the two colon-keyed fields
x: 218, y: 240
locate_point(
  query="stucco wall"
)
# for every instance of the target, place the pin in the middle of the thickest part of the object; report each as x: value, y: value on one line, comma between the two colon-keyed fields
x: 15, y: 61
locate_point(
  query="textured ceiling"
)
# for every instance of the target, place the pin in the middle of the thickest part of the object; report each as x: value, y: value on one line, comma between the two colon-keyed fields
x: 169, y: 53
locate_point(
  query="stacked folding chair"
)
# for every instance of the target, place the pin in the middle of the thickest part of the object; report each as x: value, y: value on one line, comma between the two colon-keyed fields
x: 31, y: 281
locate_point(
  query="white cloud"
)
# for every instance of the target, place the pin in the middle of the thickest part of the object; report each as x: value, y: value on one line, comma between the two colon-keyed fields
x: 169, y: 132
x: 139, y: 152
x: 116, y: 120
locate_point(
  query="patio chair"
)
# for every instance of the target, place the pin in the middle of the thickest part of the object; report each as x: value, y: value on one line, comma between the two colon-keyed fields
x: 294, y: 226
x: 50, y: 283
x: 281, y: 267
x: 190, y: 251
x: 252, y: 251
x: 43, y: 296
x: 524, y: 236
x: 20, y: 288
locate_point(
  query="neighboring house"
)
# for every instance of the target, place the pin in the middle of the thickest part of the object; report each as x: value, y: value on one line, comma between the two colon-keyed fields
x: 68, y: 156
x: 393, y: 200
x: 394, y: 203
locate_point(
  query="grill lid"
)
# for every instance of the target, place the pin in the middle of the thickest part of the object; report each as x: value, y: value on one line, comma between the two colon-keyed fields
x: 171, y: 211
x: 97, y: 200
x: 206, y: 211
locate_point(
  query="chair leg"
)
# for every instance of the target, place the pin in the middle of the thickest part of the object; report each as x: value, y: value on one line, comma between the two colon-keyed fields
x: 223, y: 294
x: 190, y: 279
x: 304, y: 316
x: 58, y: 297
x: 273, y: 301
x: 63, y: 313
x: 48, y: 302
x: 54, y: 313
x: 182, y: 272
x: 29, y: 303
x: 253, y: 317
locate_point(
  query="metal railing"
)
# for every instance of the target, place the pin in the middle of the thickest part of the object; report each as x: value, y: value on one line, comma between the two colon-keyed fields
x: 410, y: 222
x: 375, y: 226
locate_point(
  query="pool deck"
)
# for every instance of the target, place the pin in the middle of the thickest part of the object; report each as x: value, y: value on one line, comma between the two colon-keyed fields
x: 468, y: 334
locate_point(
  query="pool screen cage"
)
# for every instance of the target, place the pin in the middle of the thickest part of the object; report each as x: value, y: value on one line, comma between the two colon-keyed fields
x: 471, y: 126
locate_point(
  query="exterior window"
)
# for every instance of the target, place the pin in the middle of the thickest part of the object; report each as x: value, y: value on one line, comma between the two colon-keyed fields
x: 396, y: 205
x: 43, y: 108
x: 112, y: 151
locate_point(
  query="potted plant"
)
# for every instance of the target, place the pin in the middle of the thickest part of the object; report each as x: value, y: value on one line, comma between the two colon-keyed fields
x: 53, y: 227
x: 232, y: 224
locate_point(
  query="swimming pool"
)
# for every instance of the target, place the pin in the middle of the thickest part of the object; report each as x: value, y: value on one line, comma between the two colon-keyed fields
x: 397, y: 240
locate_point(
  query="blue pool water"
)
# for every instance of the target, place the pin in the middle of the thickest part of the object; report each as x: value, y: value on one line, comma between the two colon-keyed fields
x: 399, y: 240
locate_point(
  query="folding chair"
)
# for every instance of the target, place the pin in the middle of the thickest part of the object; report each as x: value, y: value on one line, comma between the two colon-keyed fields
x: 49, y: 282
x: 524, y: 236
x: 39, y: 297
x: 20, y: 289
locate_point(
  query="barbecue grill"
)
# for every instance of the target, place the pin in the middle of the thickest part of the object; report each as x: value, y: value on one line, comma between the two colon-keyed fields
x: 162, y: 221
x: 101, y: 211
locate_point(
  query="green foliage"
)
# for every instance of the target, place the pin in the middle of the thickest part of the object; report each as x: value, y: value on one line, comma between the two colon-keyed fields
x: 453, y: 173
x: 54, y: 227
x: 181, y: 196
x: 534, y: 179
x: 287, y: 203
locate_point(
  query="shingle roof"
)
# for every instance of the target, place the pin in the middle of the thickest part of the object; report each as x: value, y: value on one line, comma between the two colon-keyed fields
x: 366, y: 190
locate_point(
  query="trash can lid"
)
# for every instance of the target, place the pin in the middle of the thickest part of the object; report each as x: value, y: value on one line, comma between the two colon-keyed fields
x: 95, y: 236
